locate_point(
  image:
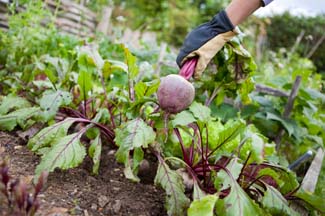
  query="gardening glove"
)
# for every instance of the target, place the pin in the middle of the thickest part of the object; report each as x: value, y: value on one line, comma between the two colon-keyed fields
x: 204, y: 42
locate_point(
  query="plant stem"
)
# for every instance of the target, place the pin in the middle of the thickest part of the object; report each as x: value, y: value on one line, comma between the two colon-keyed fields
x: 131, y: 90
x: 191, y: 153
x: 207, y: 141
x: 213, y: 95
x: 254, y: 181
x: 111, y: 116
x: 203, y: 158
x: 185, y: 156
x: 109, y: 134
x: 166, y: 116
x: 221, y: 144
x: 243, y: 168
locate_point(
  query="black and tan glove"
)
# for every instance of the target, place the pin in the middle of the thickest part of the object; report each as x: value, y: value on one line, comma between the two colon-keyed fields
x: 205, y: 41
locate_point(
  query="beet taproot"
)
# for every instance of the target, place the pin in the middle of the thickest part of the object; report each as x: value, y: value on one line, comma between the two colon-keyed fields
x: 175, y: 93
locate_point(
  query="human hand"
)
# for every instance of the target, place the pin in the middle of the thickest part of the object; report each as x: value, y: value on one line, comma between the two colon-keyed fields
x: 204, y: 42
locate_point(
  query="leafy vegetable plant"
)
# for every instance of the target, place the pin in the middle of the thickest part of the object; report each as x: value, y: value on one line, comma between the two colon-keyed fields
x: 228, y: 169
x: 212, y: 158
x: 18, y: 198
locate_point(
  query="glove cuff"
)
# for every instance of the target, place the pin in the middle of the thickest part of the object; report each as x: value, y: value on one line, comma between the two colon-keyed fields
x: 223, y: 19
x: 266, y: 2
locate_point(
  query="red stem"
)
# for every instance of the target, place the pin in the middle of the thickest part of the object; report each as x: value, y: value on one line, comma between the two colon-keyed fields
x: 111, y: 116
x: 185, y: 156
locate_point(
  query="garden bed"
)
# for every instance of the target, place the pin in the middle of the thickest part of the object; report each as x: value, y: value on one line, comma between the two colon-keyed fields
x: 77, y: 192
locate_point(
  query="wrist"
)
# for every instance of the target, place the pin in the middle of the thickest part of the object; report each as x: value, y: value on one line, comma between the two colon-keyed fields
x: 239, y: 10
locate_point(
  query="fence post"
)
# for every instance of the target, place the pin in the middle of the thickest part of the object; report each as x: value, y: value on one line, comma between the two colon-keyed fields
x: 103, y: 24
x: 288, y: 108
x: 310, y: 180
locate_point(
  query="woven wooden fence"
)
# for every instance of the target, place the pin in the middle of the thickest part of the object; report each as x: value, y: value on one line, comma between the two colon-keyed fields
x: 71, y: 17
x: 3, y: 15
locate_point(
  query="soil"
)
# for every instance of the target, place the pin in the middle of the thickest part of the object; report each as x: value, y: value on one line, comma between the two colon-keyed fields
x: 77, y: 192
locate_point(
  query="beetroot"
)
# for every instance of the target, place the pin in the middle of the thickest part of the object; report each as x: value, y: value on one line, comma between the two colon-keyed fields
x: 175, y: 93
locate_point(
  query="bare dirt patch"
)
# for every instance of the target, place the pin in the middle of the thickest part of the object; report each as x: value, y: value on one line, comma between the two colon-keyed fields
x: 77, y: 192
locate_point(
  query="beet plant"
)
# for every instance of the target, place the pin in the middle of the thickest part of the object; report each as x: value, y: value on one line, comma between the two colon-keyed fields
x: 206, y: 165
x: 106, y: 106
x: 215, y: 168
x: 16, y: 196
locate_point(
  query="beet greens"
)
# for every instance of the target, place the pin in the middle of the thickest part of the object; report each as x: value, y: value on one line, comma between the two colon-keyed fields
x: 16, y: 197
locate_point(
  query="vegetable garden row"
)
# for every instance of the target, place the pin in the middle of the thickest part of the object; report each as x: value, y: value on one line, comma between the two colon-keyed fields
x: 227, y: 154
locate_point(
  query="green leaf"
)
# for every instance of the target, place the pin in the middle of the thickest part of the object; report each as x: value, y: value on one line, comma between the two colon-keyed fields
x: 176, y: 201
x: 138, y: 156
x: 204, y: 206
x: 234, y: 168
x: 315, y: 94
x: 146, y: 88
x: 220, y: 97
x: 95, y: 150
x: 66, y: 152
x: 130, y: 60
x: 183, y: 119
x: 131, y: 135
x: 238, y: 48
x: 19, y: 117
x: 118, y: 65
x: 135, y: 133
x: 289, y: 181
x: 313, y: 200
x: 246, y: 88
x: 46, y: 136
x: 85, y: 83
x: 256, y: 143
x: 86, y: 62
x: 101, y: 116
x: 198, y: 193
x: 289, y: 126
x: 201, y: 112
x: 51, y: 76
x: 90, y: 57
x: 52, y: 100
x: 214, y: 128
x: 61, y: 66
x: 11, y: 102
x: 131, y: 167
x: 272, y: 173
x: 275, y: 203
x: 237, y: 202
x: 316, y: 139
x: 7, y: 123
x: 42, y: 84
x: 107, y: 69
x: 225, y: 112
x: 231, y: 131
x: 128, y: 172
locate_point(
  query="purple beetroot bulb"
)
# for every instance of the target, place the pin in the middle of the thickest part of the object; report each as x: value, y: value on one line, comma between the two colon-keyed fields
x: 175, y: 93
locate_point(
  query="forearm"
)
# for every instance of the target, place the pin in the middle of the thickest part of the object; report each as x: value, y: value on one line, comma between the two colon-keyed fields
x: 239, y: 10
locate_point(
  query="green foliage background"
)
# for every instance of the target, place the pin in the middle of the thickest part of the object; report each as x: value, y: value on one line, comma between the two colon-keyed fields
x: 284, y: 29
x: 173, y: 19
